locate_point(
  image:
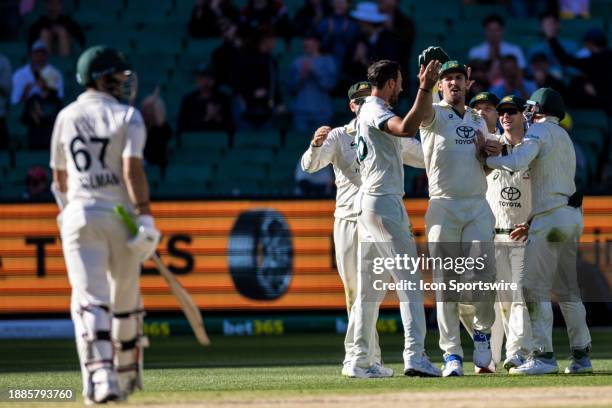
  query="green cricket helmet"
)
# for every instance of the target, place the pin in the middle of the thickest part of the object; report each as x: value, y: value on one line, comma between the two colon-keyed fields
x: 546, y: 101
x: 103, y: 62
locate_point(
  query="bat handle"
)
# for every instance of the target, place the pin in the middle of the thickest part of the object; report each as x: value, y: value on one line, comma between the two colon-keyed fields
x: 127, y: 219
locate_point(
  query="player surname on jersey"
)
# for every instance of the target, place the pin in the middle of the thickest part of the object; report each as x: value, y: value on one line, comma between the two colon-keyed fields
x: 100, y: 180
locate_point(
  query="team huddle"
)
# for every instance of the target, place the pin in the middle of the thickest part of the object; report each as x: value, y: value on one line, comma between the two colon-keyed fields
x: 506, y: 193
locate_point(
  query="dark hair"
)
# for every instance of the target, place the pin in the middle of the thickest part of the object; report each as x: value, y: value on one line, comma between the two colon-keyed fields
x: 493, y: 18
x: 549, y: 14
x: 382, y: 71
x: 510, y: 57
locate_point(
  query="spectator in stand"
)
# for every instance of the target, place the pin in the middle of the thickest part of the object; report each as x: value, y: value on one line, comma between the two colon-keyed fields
x: 56, y: 29
x: 310, y: 15
x: 269, y: 15
x: 480, y: 76
x: 550, y: 22
x: 375, y: 41
x: 257, y: 94
x: 312, y: 78
x: 226, y: 58
x: 403, y: 30
x: 10, y: 20
x: 540, y: 68
x: 597, y: 83
x: 24, y: 79
x: 494, y: 47
x: 41, y: 109
x: 159, y: 131
x: 37, y: 185
x: 338, y: 33
x: 205, y: 108
x: 5, y: 95
x: 574, y: 8
x: 209, y: 18
x: 512, y: 82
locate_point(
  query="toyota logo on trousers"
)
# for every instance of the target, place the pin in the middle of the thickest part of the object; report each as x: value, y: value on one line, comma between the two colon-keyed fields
x: 511, y: 193
x: 465, y: 132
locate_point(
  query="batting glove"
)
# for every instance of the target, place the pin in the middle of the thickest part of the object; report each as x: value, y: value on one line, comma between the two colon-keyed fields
x: 146, y: 240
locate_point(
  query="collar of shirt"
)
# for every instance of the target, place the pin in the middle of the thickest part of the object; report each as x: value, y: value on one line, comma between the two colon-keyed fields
x: 377, y: 100
x: 93, y: 94
x: 550, y: 119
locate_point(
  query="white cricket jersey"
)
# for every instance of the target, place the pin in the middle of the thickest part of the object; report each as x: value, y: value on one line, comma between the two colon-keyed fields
x: 548, y: 152
x: 90, y: 138
x: 509, y: 194
x: 380, y: 154
x: 339, y: 150
x: 453, y: 170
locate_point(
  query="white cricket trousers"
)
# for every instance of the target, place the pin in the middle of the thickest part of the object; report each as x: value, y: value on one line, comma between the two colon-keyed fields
x: 104, y: 276
x: 346, y: 243
x: 450, y: 223
x: 384, y: 232
x: 511, y: 316
x: 550, y: 262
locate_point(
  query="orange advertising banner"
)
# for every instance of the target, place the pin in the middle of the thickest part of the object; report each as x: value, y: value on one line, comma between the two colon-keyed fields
x: 230, y: 255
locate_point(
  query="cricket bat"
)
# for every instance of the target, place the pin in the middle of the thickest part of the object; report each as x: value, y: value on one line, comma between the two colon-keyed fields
x: 189, y: 308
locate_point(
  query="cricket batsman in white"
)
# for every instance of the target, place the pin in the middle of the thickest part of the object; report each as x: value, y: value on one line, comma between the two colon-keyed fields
x: 458, y: 212
x: 383, y: 226
x: 554, y: 228
x: 336, y: 146
x: 96, y: 157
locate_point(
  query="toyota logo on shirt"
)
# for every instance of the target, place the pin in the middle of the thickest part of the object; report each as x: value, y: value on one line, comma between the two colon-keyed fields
x: 511, y: 193
x: 465, y: 132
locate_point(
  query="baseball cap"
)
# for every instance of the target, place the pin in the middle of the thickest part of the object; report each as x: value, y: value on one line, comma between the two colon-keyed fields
x: 512, y: 100
x: 39, y: 46
x: 360, y: 90
x: 484, y: 97
x: 452, y: 66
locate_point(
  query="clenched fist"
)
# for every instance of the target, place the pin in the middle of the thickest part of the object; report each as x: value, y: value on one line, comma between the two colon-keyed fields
x: 320, y: 136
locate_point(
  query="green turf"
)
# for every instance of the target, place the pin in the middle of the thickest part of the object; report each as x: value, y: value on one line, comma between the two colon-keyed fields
x: 179, y: 369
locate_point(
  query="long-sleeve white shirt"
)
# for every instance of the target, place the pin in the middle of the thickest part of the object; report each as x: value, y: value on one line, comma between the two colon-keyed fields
x: 339, y: 149
x: 549, y: 153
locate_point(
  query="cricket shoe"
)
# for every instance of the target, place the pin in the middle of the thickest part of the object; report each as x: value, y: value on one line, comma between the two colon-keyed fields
x: 482, y: 349
x: 579, y: 362
x: 421, y: 368
x: 453, y: 366
x: 514, y: 361
x: 536, y: 365
x: 486, y: 370
x: 374, y: 371
x: 105, y: 388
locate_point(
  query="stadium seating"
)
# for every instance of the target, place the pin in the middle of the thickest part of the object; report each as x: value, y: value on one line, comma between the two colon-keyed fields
x: 206, y: 163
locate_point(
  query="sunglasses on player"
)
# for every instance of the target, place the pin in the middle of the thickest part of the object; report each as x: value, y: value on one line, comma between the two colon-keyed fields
x: 509, y: 111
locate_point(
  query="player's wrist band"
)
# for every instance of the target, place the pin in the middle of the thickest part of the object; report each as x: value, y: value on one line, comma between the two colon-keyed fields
x: 425, y: 90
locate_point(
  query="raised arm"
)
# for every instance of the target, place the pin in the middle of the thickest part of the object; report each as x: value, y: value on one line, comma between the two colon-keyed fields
x: 320, y: 152
x: 422, y: 107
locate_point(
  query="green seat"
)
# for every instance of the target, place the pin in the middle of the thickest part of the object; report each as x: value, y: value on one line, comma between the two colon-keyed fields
x: 257, y: 139
x: 235, y: 187
x: 227, y: 170
x: 197, y: 174
x: 195, y: 139
x: 590, y: 118
x: 592, y: 137
x: 27, y: 159
x: 252, y: 155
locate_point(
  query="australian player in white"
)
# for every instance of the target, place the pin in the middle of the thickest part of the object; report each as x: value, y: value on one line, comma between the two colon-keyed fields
x: 554, y: 229
x: 458, y: 211
x: 485, y: 103
x: 383, y: 225
x: 336, y: 146
x: 96, y: 157
x: 509, y: 195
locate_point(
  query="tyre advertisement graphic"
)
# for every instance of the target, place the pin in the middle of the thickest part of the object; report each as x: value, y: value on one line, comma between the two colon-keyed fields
x: 260, y: 254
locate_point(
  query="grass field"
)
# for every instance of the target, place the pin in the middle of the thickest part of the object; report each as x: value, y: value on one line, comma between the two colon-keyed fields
x: 294, y: 370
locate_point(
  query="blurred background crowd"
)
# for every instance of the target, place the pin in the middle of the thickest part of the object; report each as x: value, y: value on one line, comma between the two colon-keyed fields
x: 232, y: 90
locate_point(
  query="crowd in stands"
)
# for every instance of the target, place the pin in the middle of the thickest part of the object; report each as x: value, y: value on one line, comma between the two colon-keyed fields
x: 243, y: 86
